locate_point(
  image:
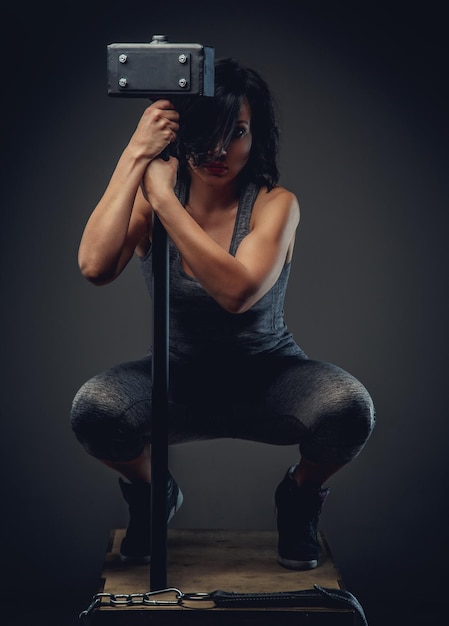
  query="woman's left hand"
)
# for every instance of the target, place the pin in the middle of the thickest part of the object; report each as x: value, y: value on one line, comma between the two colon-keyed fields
x: 159, y: 179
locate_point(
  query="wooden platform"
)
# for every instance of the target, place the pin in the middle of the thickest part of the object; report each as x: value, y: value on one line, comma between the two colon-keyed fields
x: 206, y: 560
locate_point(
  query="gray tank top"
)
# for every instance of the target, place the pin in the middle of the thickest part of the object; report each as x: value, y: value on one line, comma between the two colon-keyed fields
x: 199, y: 327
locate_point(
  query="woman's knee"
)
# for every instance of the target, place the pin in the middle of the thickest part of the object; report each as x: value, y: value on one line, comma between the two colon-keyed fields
x: 92, y: 406
x: 357, y: 419
x: 342, y: 421
x: 107, y: 422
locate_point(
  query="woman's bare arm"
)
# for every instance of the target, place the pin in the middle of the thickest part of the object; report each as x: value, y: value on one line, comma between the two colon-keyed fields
x: 120, y: 219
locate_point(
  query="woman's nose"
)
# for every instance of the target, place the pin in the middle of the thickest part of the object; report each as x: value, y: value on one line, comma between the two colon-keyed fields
x: 219, y: 152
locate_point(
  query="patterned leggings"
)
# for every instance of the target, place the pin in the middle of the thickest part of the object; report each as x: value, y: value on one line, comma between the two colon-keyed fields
x: 281, y: 400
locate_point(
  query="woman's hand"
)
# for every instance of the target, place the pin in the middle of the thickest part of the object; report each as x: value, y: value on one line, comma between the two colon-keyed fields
x: 156, y: 129
x: 159, y: 180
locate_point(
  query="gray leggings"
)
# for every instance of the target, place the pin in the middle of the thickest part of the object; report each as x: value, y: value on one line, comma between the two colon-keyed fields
x: 281, y: 400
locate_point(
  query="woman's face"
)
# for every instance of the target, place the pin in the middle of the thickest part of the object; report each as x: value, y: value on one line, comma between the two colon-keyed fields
x: 228, y: 164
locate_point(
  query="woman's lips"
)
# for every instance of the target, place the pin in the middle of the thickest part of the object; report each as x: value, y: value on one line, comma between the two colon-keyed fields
x: 216, y: 168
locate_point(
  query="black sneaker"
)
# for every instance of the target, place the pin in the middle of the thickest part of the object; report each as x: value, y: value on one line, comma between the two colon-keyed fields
x: 136, y: 544
x: 298, y: 510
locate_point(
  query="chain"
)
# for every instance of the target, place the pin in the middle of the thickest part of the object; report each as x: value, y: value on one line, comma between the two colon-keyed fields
x: 142, y: 599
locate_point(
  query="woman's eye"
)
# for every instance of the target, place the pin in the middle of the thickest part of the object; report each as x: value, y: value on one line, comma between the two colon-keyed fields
x: 238, y: 132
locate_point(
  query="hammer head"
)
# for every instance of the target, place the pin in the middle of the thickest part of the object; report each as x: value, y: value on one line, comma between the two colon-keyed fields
x: 160, y: 69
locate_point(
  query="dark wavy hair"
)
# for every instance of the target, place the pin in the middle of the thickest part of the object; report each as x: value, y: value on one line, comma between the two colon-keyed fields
x: 207, y: 124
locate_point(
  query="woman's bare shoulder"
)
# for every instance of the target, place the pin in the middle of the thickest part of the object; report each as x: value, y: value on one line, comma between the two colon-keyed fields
x: 278, y: 197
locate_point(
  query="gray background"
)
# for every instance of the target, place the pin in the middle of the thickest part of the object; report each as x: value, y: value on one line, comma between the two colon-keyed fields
x: 362, y: 91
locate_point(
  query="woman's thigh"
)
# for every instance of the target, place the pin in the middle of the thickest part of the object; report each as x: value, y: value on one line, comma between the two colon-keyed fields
x: 111, y: 411
x: 317, y: 405
x: 282, y: 400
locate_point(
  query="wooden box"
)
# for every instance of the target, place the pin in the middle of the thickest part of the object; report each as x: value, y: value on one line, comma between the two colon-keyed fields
x: 202, y: 561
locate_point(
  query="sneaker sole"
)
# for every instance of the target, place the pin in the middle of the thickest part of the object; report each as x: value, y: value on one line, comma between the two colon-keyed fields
x: 135, y: 560
x: 297, y: 565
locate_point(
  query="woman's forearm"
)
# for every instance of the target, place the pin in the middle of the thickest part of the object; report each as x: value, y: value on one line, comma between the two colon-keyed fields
x: 118, y: 221
x: 224, y: 277
x: 106, y: 232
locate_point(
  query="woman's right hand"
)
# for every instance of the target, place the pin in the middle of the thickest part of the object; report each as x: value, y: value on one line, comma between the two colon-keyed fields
x: 156, y: 129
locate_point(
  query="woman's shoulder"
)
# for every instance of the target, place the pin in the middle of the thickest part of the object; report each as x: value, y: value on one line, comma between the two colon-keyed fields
x: 278, y: 197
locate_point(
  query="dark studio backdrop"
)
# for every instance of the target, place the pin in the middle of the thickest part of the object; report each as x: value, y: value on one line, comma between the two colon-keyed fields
x: 362, y: 93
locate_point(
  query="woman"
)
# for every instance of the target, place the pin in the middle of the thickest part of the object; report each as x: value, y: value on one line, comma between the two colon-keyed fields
x: 235, y: 369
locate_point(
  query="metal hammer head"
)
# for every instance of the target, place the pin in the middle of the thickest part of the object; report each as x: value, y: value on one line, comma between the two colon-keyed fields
x: 160, y: 69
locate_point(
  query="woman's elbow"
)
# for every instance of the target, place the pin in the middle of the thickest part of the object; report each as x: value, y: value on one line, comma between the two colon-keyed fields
x: 94, y: 273
x: 238, y: 303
